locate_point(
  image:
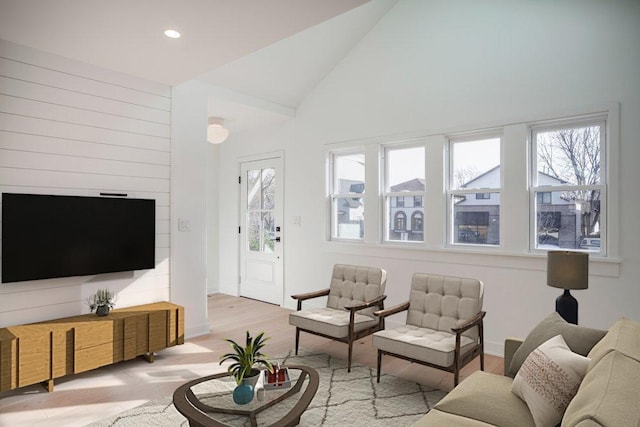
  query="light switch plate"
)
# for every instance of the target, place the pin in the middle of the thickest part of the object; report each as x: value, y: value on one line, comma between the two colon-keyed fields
x: 184, y: 225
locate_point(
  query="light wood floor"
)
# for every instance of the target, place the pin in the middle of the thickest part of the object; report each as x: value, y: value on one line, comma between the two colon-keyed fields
x: 90, y: 396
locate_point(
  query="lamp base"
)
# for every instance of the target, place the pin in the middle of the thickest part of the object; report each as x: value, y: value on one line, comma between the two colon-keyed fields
x: 567, y: 307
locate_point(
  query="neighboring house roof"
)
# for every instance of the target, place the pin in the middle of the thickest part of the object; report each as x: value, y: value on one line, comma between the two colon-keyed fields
x: 492, y: 170
x: 561, y: 181
x: 416, y: 184
x: 497, y: 168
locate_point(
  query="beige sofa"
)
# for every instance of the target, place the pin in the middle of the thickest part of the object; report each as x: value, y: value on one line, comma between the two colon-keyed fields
x: 609, y: 394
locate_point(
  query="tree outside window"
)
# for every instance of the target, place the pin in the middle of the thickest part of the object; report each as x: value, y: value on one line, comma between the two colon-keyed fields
x: 260, y: 205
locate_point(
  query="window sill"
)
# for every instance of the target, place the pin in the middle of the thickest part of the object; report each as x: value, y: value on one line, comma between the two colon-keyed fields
x: 598, y: 266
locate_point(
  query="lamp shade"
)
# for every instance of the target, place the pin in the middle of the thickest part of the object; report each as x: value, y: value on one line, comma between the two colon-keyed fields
x: 216, y: 132
x: 568, y: 270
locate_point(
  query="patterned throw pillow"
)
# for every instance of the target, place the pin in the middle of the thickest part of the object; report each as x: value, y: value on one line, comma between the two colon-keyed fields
x: 579, y: 339
x: 548, y: 380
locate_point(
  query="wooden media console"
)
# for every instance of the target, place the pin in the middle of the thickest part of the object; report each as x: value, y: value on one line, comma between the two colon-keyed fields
x: 40, y: 352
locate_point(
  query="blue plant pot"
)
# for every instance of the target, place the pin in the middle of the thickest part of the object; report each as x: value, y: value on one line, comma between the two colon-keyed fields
x: 243, y: 394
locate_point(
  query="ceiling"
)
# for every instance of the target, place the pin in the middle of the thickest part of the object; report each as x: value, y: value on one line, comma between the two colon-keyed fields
x: 261, y: 57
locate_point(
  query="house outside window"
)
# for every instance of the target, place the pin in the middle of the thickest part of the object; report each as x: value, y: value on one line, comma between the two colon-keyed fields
x: 569, y: 184
x: 404, y: 186
x: 543, y: 198
x: 474, y: 187
x: 472, y: 227
x: 400, y: 222
x: 417, y: 223
x: 347, y: 190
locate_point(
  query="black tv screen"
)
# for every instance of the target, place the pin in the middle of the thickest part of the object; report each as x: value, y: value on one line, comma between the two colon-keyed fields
x: 46, y: 236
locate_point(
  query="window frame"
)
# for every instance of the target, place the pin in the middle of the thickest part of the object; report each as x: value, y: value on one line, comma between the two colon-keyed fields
x: 334, y: 194
x: 603, y: 121
x: 452, y: 194
x: 386, y: 195
x: 515, y: 196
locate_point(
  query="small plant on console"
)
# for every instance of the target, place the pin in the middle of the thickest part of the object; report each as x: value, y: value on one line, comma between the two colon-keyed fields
x: 102, y: 301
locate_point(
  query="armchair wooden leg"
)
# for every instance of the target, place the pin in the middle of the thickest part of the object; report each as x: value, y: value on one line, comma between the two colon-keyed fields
x: 349, y: 358
x: 379, y: 364
x: 456, y: 377
x: 481, y: 360
x: 297, y: 339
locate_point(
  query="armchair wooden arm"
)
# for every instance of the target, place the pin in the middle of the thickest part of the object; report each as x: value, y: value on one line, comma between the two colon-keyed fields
x: 309, y: 295
x: 392, y: 310
x: 475, y: 320
x: 376, y: 301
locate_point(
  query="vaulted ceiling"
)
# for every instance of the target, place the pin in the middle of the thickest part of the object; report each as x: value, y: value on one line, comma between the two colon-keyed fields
x: 261, y: 57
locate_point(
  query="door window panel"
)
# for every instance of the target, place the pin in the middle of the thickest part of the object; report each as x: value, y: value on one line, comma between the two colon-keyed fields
x: 260, y: 204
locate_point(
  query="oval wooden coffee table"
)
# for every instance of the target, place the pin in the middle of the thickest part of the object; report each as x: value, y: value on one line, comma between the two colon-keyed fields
x: 208, y: 401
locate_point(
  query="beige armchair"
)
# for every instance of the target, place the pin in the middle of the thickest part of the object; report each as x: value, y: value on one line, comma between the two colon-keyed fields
x: 354, y: 294
x: 443, y: 329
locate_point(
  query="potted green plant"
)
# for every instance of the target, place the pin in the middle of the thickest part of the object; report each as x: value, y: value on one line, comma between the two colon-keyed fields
x: 244, y: 367
x: 102, y: 301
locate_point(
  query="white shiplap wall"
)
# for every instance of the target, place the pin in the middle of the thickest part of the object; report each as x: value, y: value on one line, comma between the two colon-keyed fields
x: 76, y: 129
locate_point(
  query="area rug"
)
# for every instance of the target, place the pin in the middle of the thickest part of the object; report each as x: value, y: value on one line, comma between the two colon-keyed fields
x: 343, y: 398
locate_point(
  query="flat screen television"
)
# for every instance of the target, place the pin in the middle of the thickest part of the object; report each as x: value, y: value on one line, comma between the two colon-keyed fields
x: 46, y: 236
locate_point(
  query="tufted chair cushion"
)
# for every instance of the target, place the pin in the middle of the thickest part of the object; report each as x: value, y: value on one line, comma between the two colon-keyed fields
x: 353, y: 284
x: 444, y: 302
x: 436, y: 305
x: 350, y: 285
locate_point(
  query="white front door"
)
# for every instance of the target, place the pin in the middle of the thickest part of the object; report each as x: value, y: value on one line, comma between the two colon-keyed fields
x: 261, y: 234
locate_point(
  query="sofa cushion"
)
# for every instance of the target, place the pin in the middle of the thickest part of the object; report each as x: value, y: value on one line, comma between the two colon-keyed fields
x: 624, y: 336
x: 487, y: 398
x: 548, y: 379
x: 579, y: 339
x: 608, y: 395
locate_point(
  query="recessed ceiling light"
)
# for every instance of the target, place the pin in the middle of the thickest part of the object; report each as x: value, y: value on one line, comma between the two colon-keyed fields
x: 172, y: 34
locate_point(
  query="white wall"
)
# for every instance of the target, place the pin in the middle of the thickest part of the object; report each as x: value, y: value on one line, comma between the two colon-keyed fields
x: 430, y: 66
x: 74, y: 129
x: 190, y: 197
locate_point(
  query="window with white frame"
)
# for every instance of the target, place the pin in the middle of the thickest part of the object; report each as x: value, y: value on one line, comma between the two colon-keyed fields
x: 474, y: 190
x: 347, y: 195
x: 568, y: 187
x: 404, y: 186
